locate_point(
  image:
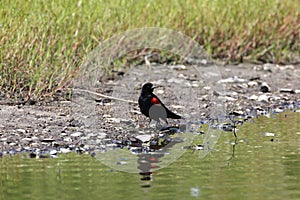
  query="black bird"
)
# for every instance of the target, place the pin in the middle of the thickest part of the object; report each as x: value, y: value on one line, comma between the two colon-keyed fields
x: 152, y: 107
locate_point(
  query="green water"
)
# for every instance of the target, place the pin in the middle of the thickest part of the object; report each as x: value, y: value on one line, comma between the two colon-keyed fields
x: 263, y: 167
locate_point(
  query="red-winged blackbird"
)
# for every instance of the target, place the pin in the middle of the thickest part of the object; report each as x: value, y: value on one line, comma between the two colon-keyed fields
x: 152, y: 107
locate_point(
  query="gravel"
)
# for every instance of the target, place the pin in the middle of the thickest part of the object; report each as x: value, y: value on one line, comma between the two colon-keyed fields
x: 59, y: 127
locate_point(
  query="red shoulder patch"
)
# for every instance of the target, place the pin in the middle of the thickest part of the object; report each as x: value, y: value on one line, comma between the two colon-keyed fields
x: 155, y: 100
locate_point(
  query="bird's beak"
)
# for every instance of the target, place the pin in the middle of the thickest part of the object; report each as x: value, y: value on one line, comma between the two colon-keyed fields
x: 153, y: 87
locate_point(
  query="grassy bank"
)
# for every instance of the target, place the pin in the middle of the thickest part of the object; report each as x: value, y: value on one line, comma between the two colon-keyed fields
x: 42, y: 43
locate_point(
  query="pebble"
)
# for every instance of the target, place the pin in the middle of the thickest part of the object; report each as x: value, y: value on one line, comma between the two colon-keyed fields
x: 252, y: 83
x: 226, y: 98
x: 253, y: 97
x: 265, y: 87
x: 27, y: 139
x: 68, y: 139
x: 268, y: 67
x: 234, y: 79
x: 114, y: 120
x: 177, y: 67
x: 76, y: 134
x: 21, y: 130
x: 160, y: 91
x: 175, y: 80
x: 278, y: 110
x: 53, y: 152
x: 143, y: 138
x: 263, y: 98
x: 101, y: 135
x: 269, y: 134
x: 65, y: 150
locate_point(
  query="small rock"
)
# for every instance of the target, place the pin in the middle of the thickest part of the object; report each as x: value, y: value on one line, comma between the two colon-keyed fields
x: 175, y: 80
x: 64, y: 150
x: 27, y: 148
x: 275, y: 98
x: 226, y: 98
x: 27, y: 139
x: 160, y: 91
x: 252, y: 83
x: 242, y: 86
x: 101, y: 135
x: 297, y: 91
x: 21, y: 130
x: 263, y: 98
x: 234, y: 79
x: 63, y: 134
x: 67, y: 139
x: 207, y: 88
x: 253, y: 97
x: 53, y: 152
x: 12, y: 144
x: 112, y: 145
x: 268, y: 67
x: 265, y: 87
x: 198, y: 147
x: 269, y: 134
x: 121, y: 163
x: 278, y: 110
x: 143, y: 138
x: 34, y: 145
x: 285, y: 67
x: 76, y: 134
x: 177, y: 67
x: 46, y: 131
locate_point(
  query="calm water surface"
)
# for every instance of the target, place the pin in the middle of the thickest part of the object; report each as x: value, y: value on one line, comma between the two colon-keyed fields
x: 262, y: 167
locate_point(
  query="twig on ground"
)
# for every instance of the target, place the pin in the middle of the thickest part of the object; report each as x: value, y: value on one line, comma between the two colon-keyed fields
x: 106, y: 96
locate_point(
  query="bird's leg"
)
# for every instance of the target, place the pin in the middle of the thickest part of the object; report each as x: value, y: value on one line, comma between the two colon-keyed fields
x: 149, y: 122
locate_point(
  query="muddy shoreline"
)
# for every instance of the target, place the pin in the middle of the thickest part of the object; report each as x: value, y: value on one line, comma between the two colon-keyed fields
x: 61, y: 126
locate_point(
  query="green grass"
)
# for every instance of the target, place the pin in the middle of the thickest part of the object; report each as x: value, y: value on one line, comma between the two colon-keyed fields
x: 42, y: 43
